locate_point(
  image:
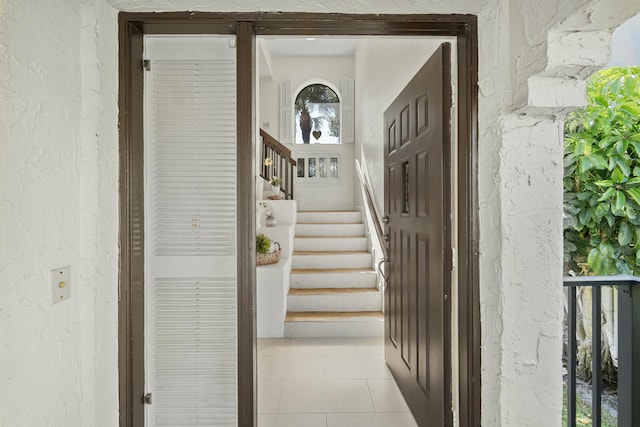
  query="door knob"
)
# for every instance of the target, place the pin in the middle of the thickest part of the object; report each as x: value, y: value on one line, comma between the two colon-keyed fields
x: 385, y: 219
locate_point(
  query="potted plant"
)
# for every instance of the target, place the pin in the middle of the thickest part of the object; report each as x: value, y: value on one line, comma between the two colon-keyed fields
x: 264, y: 254
x: 275, y: 184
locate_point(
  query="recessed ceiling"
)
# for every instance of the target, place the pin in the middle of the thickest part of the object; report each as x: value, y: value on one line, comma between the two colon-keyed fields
x: 310, y: 46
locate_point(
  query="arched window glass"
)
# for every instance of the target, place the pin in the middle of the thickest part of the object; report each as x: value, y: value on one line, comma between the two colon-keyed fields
x: 317, y: 115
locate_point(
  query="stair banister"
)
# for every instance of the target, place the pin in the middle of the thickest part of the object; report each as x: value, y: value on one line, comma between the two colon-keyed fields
x: 277, y: 161
x: 375, y: 219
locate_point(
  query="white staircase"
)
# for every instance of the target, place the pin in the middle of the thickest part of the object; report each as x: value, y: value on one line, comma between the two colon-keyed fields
x: 333, y: 289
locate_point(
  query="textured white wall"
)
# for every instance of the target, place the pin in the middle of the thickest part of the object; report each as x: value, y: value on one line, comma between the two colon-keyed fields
x: 58, y: 168
x: 98, y: 209
x: 40, y: 112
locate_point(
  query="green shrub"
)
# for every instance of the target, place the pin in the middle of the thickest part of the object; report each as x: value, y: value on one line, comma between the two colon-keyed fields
x: 602, y: 176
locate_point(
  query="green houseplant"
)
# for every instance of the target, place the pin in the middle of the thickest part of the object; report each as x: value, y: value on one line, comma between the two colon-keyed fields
x: 263, y: 244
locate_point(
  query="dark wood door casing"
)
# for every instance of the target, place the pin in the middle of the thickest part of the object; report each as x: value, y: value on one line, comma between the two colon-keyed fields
x: 132, y: 28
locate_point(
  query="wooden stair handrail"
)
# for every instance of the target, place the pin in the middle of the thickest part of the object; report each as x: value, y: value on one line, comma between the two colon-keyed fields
x: 375, y: 218
x: 276, y: 146
x: 277, y: 161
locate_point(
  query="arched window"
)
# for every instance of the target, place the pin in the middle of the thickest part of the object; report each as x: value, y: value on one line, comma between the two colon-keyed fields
x: 317, y: 115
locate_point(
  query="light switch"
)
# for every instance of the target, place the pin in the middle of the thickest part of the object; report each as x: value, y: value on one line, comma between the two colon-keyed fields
x: 60, y: 284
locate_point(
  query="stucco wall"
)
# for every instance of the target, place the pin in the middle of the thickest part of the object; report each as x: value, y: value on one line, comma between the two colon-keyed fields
x: 302, y: 71
x: 40, y: 112
x: 57, y: 209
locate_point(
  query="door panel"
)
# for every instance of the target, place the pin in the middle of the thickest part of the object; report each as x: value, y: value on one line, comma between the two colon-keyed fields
x: 190, y: 189
x: 417, y: 200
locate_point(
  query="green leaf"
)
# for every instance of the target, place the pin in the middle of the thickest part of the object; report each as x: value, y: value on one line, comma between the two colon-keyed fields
x: 595, y: 260
x: 619, y: 147
x: 638, y: 258
x: 622, y: 267
x: 584, y: 164
x: 629, y: 87
x: 606, y: 250
x: 621, y: 200
x: 598, y: 161
x: 601, y: 100
x: 617, y: 175
x: 634, y: 193
x: 584, y: 217
x: 623, y: 164
x: 601, y: 210
x: 632, y: 109
x: 607, y: 195
x: 604, y: 183
x: 625, y: 234
x: 631, y: 183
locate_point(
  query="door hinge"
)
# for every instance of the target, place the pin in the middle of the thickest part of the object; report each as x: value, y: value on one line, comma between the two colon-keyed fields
x: 148, y: 398
x: 454, y: 260
x: 146, y: 64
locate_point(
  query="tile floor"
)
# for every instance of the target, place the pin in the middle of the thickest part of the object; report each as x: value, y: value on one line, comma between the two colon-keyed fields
x: 327, y: 382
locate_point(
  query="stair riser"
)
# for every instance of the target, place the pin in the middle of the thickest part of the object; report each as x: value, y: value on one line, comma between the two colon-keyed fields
x: 329, y: 229
x: 328, y: 244
x: 354, y: 217
x: 369, y: 328
x: 370, y: 301
x: 335, y: 280
x: 332, y: 261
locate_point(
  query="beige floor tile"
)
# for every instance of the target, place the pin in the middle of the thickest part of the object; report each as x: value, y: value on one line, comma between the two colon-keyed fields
x: 269, y: 396
x: 370, y: 346
x: 325, y: 396
x: 323, y: 346
x: 403, y: 419
x: 290, y: 367
x: 292, y: 420
x: 356, y: 367
x: 386, y: 396
x: 273, y: 346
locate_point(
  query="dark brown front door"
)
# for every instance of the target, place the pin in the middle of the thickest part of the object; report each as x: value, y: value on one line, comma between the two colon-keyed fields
x: 417, y: 200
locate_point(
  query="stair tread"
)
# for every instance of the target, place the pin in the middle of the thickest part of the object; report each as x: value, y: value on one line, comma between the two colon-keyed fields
x: 330, y: 291
x: 320, y: 316
x: 330, y: 253
x: 330, y: 270
x: 329, y: 223
x: 330, y: 237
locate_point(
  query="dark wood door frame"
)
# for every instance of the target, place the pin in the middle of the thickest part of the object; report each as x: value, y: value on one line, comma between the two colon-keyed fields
x: 132, y: 28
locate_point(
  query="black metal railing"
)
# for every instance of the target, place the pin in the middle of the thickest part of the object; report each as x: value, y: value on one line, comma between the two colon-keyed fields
x: 628, y: 347
x: 277, y: 161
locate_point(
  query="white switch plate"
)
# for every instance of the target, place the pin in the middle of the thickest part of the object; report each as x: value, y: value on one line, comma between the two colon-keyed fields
x: 60, y: 284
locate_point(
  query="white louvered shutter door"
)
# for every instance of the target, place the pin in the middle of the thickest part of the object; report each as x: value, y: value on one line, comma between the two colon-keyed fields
x: 190, y: 234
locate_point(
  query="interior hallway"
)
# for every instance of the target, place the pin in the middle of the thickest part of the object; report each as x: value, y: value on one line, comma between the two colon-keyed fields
x: 327, y: 382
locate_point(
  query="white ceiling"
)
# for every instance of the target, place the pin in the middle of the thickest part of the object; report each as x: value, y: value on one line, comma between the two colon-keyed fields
x: 311, y: 46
